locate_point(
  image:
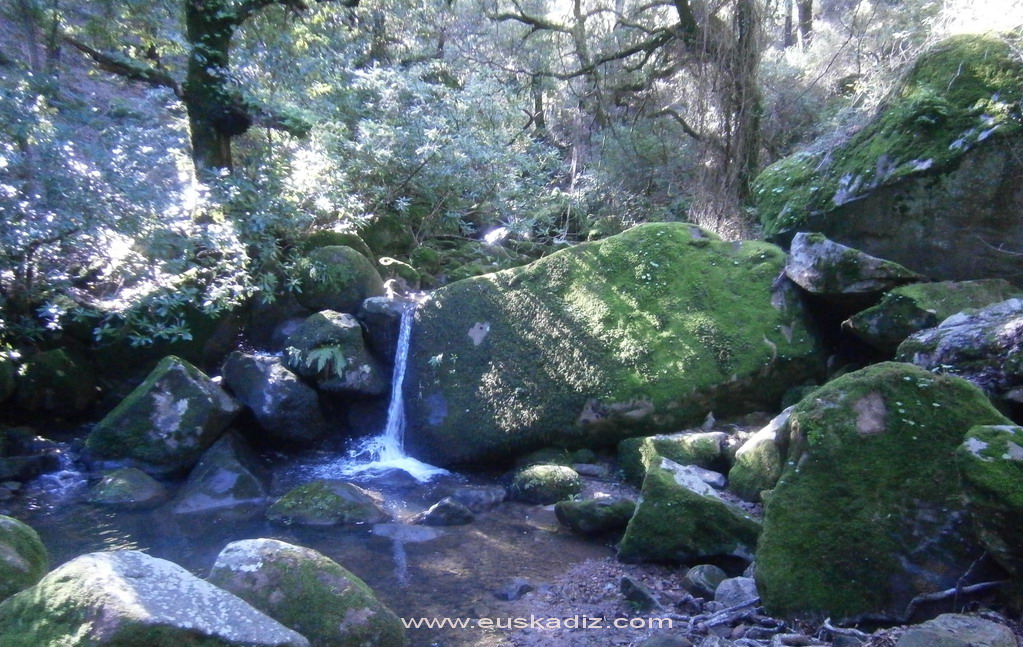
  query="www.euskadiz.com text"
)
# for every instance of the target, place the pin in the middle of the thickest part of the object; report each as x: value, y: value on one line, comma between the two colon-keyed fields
x: 538, y: 622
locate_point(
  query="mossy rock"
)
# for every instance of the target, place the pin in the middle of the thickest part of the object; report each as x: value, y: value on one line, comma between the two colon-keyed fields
x: 329, y: 346
x: 640, y: 333
x: 991, y: 464
x: 545, y: 484
x: 704, y: 449
x: 128, y: 488
x: 680, y: 519
x: 758, y: 463
x: 334, y: 238
x: 23, y: 557
x: 595, y: 516
x: 388, y: 234
x: 912, y: 308
x: 427, y: 259
x: 870, y: 497
x: 327, y: 503
x: 167, y: 422
x: 54, y: 381
x: 929, y: 179
x: 8, y: 372
x: 126, y: 598
x: 228, y: 483
x: 308, y: 592
x: 401, y: 272
x: 338, y: 278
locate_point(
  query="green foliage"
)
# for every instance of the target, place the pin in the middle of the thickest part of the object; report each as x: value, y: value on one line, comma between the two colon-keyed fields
x: 326, y: 360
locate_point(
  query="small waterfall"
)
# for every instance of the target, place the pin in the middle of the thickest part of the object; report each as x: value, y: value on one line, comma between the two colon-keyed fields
x: 386, y: 451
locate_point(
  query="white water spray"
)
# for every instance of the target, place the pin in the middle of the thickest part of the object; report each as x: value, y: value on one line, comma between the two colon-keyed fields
x: 387, y: 451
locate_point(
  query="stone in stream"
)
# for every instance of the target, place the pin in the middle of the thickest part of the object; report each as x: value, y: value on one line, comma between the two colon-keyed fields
x: 545, y: 484
x: 446, y: 512
x: 229, y: 482
x: 327, y: 502
x: 129, y: 488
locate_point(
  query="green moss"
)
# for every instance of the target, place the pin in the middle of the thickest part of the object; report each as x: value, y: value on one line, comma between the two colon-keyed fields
x: 392, y: 268
x: 330, y: 238
x: 325, y: 503
x: 642, y: 332
x: 595, y: 516
x: 869, y: 492
x: 338, y: 278
x: 23, y: 557
x: 673, y: 524
x: 635, y: 455
x: 545, y: 484
x: 961, y: 92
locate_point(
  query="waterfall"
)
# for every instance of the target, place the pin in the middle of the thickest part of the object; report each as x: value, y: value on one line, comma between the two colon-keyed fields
x: 386, y: 451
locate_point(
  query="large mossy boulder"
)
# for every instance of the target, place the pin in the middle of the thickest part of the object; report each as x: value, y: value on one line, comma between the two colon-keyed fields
x: 931, y: 182
x: 338, y: 278
x: 56, y: 382
x: 706, y: 449
x: 911, y: 308
x: 228, y: 483
x: 23, y: 557
x: 167, y: 422
x: 868, y: 513
x: 286, y: 408
x: 127, y: 598
x: 991, y: 464
x: 327, y: 502
x: 545, y: 484
x: 681, y: 519
x: 308, y: 592
x: 641, y: 333
x: 329, y: 347
x: 595, y: 516
x: 831, y: 270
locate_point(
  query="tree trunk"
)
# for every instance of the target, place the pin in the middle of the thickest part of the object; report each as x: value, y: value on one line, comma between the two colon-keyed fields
x: 805, y: 9
x: 210, y: 25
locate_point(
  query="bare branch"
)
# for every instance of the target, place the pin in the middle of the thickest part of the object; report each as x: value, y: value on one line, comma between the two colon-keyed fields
x: 681, y: 121
x: 127, y: 67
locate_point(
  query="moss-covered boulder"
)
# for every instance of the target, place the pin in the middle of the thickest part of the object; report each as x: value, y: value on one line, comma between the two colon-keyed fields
x: 758, y: 462
x: 545, y: 484
x: 327, y: 502
x: 705, y: 449
x: 984, y: 346
x: 23, y: 557
x: 909, y: 309
x: 129, y: 488
x: 338, y: 278
x: 308, y: 592
x: 400, y: 275
x: 286, y: 408
x: 931, y: 182
x: 595, y: 516
x: 991, y: 464
x: 330, y: 238
x: 703, y: 579
x: 329, y: 347
x: 640, y: 333
x: 828, y: 269
x: 167, y: 422
x: 868, y: 512
x: 229, y: 482
x: 126, y: 598
x: 681, y: 519
x: 55, y: 381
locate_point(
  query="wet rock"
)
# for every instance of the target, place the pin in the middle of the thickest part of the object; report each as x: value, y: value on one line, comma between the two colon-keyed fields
x: 329, y: 347
x: 23, y: 557
x: 703, y: 449
x: 340, y: 279
x: 229, y: 482
x: 870, y: 472
x: 912, y: 308
x: 514, y: 589
x: 984, y: 346
x: 825, y: 268
x: 680, y: 518
x: 956, y: 630
x: 167, y: 422
x: 382, y: 318
x: 638, y: 594
x: 991, y: 464
x: 327, y: 503
x: 703, y: 579
x: 25, y: 455
x: 446, y: 512
x: 508, y: 363
x: 54, y: 381
x: 307, y: 592
x: 595, y: 516
x: 129, y: 488
x: 758, y: 463
x: 545, y: 484
x: 735, y: 591
x: 479, y: 498
x: 286, y: 408
x: 139, y: 600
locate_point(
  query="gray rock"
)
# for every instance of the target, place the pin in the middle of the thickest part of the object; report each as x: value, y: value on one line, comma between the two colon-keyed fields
x: 446, y: 512
x: 984, y: 346
x: 736, y: 590
x: 167, y: 422
x: 329, y: 347
x: 825, y: 268
x: 514, y: 589
x: 286, y: 408
x: 479, y: 498
x: 128, y: 488
x: 308, y: 592
x: 758, y: 463
x: 23, y: 557
x: 666, y: 640
x: 638, y: 594
x: 703, y: 579
x: 382, y: 318
x: 956, y: 630
x: 140, y: 600
x: 229, y: 481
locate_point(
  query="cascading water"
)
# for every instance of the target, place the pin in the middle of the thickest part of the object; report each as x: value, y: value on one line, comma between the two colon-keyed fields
x: 386, y: 451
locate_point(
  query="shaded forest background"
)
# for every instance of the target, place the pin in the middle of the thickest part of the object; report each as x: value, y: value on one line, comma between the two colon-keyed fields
x: 174, y: 156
